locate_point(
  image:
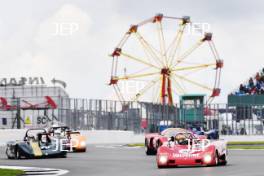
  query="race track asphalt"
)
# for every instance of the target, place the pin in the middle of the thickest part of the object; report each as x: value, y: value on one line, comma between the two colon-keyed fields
x: 110, y: 160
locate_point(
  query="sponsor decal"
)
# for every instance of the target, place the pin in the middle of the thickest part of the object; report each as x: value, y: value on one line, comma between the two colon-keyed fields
x: 66, y: 144
x: 22, y: 81
x: 194, y: 146
x: 185, y: 155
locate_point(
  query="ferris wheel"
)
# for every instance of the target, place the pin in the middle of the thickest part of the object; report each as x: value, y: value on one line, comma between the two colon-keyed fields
x: 165, y: 58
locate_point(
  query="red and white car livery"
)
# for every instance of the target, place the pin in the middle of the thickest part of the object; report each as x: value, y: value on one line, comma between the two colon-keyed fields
x: 154, y: 140
x: 191, y: 151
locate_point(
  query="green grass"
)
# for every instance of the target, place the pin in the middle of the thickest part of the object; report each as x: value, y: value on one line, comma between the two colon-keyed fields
x: 246, y: 143
x: 246, y: 147
x: 10, y: 172
x: 254, y: 145
x: 136, y: 145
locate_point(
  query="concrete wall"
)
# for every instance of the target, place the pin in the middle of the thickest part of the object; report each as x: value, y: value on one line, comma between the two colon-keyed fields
x: 110, y: 137
x: 93, y: 136
x: 243, y: 138
x: 11, y: 135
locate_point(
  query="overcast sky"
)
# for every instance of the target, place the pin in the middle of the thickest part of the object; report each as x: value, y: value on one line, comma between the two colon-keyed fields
x: 29, y: 45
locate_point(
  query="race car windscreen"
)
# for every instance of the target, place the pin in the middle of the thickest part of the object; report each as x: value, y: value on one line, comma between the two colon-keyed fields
x: 34, y: 133
x: 172, y: 132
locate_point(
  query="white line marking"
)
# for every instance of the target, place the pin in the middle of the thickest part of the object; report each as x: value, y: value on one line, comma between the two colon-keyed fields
x: 36, y: 170
x: 246, y: 149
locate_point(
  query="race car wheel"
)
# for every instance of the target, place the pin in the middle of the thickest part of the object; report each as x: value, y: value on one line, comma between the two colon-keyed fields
x: 84, y: 150
x: 161, y: 167
x: 9, y: 153
x: 81, y: 150
x: 158, y: 144
x: 223, y: 163
x: 216, y: 158
x: 148, y: 150
x: 17, y: 153
x: 223, y: 160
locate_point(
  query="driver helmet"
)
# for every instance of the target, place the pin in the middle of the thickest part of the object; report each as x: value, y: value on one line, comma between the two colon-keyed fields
x: 55, y: 125
x: 31, y: 138
x: 180, y: 138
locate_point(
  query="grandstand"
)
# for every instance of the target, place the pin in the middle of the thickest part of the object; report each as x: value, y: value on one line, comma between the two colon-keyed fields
x: 251, y: 92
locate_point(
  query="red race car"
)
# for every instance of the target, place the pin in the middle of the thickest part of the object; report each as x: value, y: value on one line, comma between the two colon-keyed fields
x: 154, y: 140
x: 187, y: 149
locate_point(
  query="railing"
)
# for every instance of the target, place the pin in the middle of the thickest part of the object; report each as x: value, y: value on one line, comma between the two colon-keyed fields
x: 141, y: 116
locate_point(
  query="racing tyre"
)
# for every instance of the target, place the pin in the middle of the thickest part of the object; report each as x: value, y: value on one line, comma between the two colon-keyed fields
x: 164, y: 167
x: 223, y: 163
x: 81, y: 150
x: 9, y: 153
x: 158, y: 144
x: 17, y: 153
x: 161, y: 167
x: 217, y: 161
x: 223, y: 160
x: 148, y: 150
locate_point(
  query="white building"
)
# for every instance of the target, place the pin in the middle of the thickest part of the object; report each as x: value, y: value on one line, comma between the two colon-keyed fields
x: 28, y: 95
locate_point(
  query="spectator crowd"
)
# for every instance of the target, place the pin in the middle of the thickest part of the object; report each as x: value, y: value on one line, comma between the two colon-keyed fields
x: 254, y: 86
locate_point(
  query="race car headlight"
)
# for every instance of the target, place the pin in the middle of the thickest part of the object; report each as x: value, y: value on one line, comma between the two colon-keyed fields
x: 207, y: 158
x: 83, y: 143
x: 163, y: 159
